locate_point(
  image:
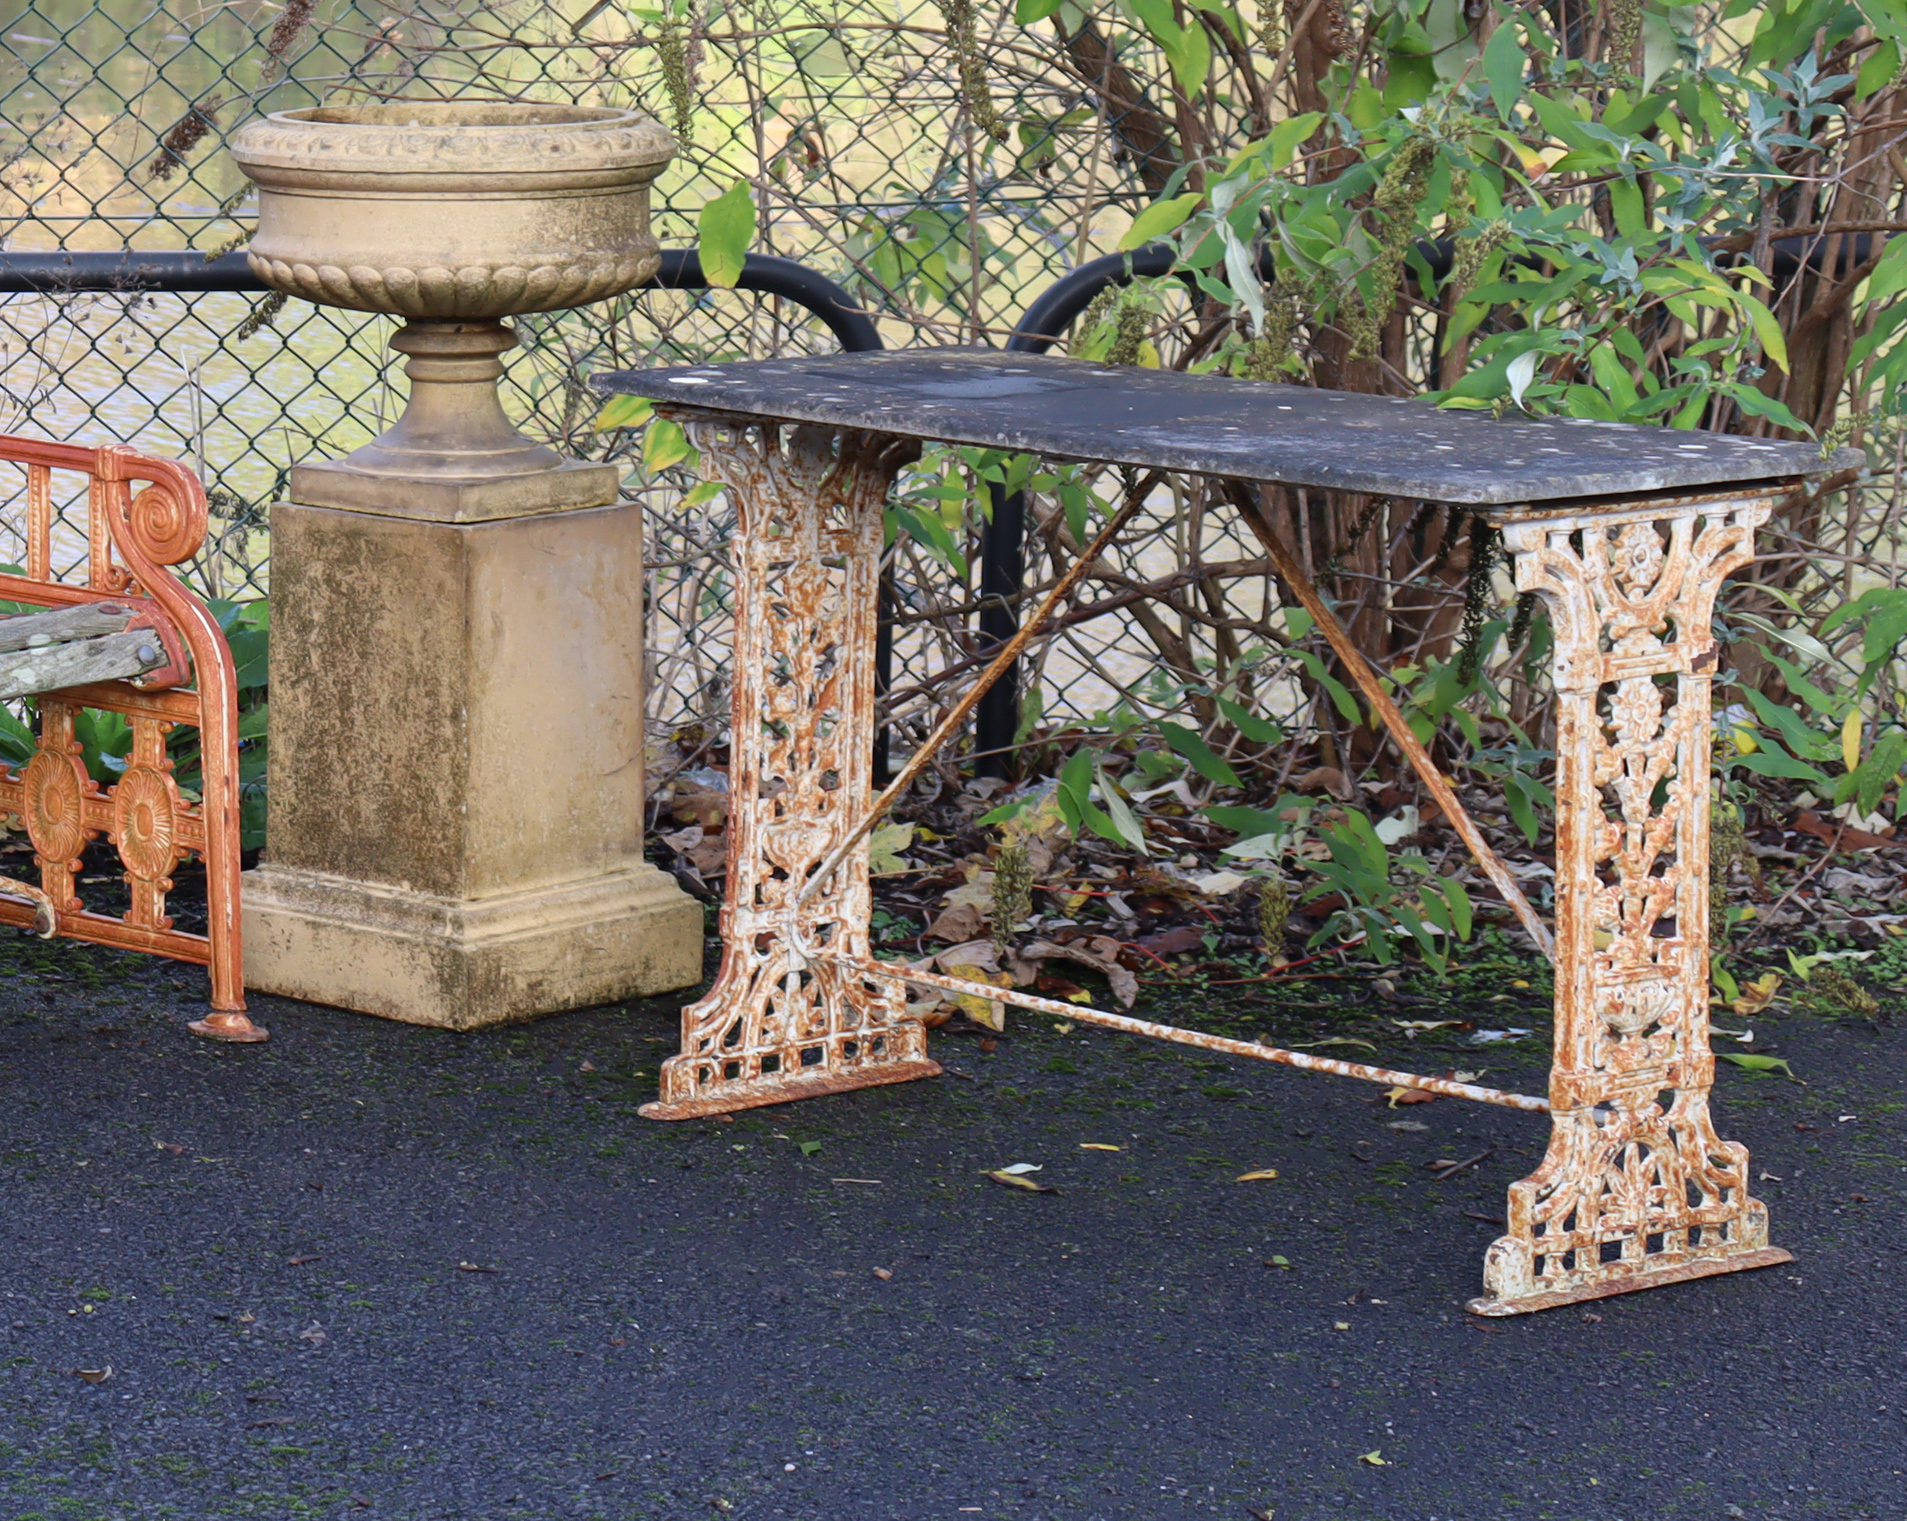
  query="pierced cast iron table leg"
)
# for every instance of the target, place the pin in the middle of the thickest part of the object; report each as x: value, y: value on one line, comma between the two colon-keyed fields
x: 1636, y: 1189
x: 779, y: 1024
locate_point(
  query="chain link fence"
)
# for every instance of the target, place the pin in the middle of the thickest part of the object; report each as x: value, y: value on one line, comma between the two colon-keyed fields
x: 944, y: 215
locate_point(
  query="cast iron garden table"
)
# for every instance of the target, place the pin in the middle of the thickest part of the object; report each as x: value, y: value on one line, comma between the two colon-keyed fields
x: 1624, y: 532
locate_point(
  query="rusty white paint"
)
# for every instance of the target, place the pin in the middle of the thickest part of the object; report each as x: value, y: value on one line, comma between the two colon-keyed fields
x: 778, y: 1025
x: 882, y: 971
x: 1636, y: 1189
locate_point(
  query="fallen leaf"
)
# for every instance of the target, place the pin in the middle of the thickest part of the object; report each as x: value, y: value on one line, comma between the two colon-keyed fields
x: 1757, y: 995
x: 471, y: 1267
x: 1279, y: 1262
x: 1220, y: 884
x: 682, y: 841
x: 1098, y: 1146
x: 711, y: 855
x: 95, y: 1375
x: 313, y: 1333
x: 1407, y: 1125
x: 1100, y: 953
x: 1342, y: 1325
x: 587, y: 1066
x: 982, y: 1011
x: 1496, y: 1037
x: 1324, y: 779
x: 1401, y: 825
x: 1019, y: 1180
x: 1755, y: 1063
x: 301, y: 1261
x: 960, y: 923
x: 1335, y: 1040
x: 1375, y: 1457
x: 1063, y: 1027
x: 177, y: 1151
x: 884, y: 848
x: 1060, y: 987
x: 1430, y: 1024
x: 690, y: 804
x: 1184, y: 937
x: 1019, y: 1167
x: 1264, y: 1174
x: 808, y: 1148
x: 1842, y: 837
x: 1400, y: 1095
x: 975, y: 892
x: 884, y: 1274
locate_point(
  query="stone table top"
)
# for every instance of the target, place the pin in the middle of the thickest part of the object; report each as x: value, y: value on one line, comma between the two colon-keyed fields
x: 1212, y: 425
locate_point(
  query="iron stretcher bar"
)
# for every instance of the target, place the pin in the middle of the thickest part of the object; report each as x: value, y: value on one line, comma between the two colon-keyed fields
x: 1125, y: 1023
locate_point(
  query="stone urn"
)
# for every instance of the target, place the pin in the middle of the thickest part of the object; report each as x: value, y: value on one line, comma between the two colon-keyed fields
x: 454, y: 823
x: 453, y: 215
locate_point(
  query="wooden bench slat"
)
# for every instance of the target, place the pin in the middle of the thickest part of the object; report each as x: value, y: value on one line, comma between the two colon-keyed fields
x: 61, y: 625
x: 46, y: 668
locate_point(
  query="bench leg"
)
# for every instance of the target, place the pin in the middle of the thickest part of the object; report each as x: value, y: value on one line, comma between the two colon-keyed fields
x: 1636, y: 1189
x: 777, y: 1026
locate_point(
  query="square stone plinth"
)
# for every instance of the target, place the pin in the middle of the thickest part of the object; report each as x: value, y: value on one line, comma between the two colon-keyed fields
x: 454, y: 830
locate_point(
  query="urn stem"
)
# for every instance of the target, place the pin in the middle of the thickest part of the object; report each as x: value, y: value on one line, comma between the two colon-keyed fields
x: 453, y: 427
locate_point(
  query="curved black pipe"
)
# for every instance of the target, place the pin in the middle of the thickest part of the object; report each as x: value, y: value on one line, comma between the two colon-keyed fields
x: 771, y: 275
x: 65, y: 273
x: 181, y: 271
x: 1043, y: 323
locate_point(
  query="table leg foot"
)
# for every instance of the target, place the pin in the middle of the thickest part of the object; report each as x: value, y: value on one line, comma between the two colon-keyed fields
x: 710, y: 1093
x: 1653, y: 1277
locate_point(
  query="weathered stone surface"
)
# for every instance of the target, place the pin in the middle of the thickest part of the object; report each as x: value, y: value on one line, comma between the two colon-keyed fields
x: 1211, y: 425
x: 455, y: 825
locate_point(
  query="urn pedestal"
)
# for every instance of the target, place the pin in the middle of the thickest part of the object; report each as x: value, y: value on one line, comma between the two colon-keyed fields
x: 454, y: 826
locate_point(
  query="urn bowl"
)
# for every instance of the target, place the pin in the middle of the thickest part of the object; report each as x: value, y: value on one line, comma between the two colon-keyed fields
x: 453, y: 211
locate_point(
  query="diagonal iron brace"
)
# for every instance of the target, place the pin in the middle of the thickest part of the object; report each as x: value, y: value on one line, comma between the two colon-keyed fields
x: 1251, y: 509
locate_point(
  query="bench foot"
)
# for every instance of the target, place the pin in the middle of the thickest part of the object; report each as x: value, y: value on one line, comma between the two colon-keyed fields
x: 230, y: 1026
x: 762, y: 1091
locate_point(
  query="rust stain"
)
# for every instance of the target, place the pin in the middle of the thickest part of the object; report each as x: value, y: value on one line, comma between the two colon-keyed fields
x: 881, y: 971
x: 778, y: 1025
x: 1636, y: 1189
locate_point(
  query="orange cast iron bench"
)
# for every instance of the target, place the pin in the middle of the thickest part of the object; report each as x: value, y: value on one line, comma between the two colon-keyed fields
x: 1625, y: 533
x: 128, y: 638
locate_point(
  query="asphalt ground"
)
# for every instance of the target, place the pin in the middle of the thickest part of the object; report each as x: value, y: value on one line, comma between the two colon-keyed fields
x: 372, y: 1270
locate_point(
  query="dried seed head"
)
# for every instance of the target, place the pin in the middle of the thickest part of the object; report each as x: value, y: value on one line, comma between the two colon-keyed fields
x: 1835, y: 987
x: 1840, y: 432
x: 1624, y: 31
x: 963, y: 34
x: 263, y: 315
x: 1479, y: 592
x: 292, y: 21
x: 1268, y: 354
x: 1274, y: 907
x: 1473, y: 253
x: 1727, y: 844
x: 1396, y: 200
x: 183, y: 138
x: 1012, y: 891
x: 672, y: 53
